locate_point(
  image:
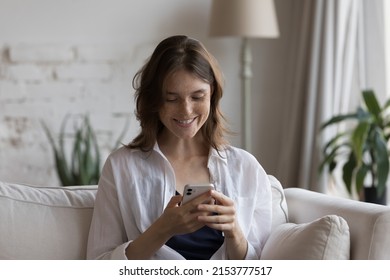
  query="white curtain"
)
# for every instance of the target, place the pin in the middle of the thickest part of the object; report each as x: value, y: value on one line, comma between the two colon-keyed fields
x: 322, y: 83
x: 372, y: 66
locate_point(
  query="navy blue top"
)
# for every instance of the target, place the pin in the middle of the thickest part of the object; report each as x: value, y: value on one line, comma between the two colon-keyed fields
x: 198, y: 245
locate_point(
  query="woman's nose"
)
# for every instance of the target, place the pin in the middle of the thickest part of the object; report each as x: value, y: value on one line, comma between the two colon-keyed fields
x: 186, y: 106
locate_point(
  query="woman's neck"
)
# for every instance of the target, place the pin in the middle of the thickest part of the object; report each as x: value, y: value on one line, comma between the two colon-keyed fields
x: 182, y: 148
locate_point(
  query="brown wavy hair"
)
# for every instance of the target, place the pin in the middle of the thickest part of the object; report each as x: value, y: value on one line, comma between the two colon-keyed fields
x: 171, y: 54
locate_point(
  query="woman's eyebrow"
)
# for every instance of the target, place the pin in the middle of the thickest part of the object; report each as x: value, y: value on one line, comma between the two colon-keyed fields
x: 200, y: 91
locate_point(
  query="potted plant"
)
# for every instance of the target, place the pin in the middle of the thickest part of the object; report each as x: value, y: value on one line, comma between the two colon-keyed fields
x: 82, y: 166
x: 362, y: 148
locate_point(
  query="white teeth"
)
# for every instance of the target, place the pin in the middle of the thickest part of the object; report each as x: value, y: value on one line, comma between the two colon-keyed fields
x: 185, y: 121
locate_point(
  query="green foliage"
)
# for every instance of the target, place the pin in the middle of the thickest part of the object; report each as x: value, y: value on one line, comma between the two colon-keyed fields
x: 84, y: 165
x: 364, y: 147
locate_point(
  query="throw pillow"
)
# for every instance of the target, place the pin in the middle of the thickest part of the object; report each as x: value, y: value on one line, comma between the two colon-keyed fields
x: 326, y: 238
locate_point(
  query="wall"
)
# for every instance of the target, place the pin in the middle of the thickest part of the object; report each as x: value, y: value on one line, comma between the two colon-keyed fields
x: 61, y: 58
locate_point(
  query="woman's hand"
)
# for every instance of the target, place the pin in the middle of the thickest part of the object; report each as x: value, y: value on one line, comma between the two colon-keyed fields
x: 184, y: 219
x: 225, y: 219
x: 174, y: 220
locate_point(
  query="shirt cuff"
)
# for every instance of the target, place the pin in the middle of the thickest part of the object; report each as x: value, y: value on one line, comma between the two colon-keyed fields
x: 119, y: 252
x: 251, y: 253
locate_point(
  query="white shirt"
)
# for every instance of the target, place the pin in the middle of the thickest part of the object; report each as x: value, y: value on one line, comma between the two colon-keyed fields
x: 135, y: 187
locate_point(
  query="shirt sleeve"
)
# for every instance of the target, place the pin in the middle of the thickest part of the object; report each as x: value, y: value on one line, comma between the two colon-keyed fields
x: 107, y: 237
x: 262, y: 216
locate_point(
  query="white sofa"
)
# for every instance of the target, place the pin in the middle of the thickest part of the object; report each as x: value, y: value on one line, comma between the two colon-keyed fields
x: 53, y: 223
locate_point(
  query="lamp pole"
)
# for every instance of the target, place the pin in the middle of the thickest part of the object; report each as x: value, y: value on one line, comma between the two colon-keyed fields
x: 246, y: 76
x: 245, y: 19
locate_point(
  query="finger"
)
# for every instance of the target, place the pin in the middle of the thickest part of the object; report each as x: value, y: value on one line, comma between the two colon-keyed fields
x: 216, y: 219
x: 225, y: 227
x: 221, y: 198
x: 217, y: 209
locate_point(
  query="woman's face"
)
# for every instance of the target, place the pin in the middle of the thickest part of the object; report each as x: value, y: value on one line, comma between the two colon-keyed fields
x: 186, y: 104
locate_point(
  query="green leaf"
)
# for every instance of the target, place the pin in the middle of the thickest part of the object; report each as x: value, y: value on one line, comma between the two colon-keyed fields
x: 360, y: 176
x: 63, y: 170
x: 371, y: 102
x: 62, y: 167
x: 333, y: 141
x: 96, y: 165
x: 76, y: 158
x: 329, y: 159
x: 348, y: 170
x: 339, y: 118
x: 91, y: 160
x: 364, y: 116
x: 358, y: 139
x: 373, y: 106
x: 382, y: 162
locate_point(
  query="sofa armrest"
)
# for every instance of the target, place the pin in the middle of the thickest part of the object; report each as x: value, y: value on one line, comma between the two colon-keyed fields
x: 369, y: 223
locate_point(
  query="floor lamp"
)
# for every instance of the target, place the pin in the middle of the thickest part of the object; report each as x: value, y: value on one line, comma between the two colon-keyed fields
x: 245, y: 19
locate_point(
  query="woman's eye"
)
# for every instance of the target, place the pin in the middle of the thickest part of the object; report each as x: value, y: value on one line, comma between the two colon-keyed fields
x: 197, y: 97
x: 170, y: 98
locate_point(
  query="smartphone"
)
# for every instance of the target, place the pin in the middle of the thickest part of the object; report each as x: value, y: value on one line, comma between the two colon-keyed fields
x: 191, y: 191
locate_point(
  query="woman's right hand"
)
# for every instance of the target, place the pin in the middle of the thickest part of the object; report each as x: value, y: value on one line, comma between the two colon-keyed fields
x: 182, y: 219
x: 174, y: 220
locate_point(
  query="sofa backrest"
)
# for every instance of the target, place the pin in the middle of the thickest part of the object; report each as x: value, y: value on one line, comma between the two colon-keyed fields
x: 53, y: 222
x: 44, y: 222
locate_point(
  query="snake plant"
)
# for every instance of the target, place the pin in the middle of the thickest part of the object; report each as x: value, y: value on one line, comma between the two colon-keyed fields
x: 363, y: 148
x: 84, y: 165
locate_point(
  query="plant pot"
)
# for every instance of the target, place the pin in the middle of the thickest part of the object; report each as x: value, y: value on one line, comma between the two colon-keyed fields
x: 370, y: 195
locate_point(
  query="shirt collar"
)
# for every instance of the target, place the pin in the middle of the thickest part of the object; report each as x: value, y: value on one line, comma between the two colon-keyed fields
x: 157, y: 149
x: 218, y: 155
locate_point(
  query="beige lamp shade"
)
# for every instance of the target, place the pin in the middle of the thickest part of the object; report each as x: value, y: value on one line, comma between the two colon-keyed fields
x: 244, y: 18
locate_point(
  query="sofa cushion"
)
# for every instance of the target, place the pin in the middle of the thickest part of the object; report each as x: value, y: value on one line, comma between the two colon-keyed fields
x: 326, y: 238
x: 44, y: 222
x: 279, y: 205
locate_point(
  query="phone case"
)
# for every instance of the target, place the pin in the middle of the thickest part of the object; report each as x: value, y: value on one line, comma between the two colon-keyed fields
x: 192, y: 191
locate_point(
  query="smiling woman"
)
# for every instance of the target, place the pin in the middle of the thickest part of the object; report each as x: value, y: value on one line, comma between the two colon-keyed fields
x: 138, y: 212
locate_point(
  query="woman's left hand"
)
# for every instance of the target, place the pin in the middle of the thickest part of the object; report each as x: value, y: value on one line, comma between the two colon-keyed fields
x: 224, y: 214
x: 224, y: 218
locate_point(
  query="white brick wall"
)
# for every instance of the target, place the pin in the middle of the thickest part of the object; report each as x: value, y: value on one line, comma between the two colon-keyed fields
x: 27, y: 72
x: 44, y: 43
x: 48, y: 82
x: 41, y: 54
x: 83, y: 71
x: 104, y: 53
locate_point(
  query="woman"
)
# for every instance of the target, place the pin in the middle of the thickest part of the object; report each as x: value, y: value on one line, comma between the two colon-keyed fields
x: 137, y: 213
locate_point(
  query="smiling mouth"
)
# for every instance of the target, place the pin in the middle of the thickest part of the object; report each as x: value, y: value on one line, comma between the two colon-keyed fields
x: 185, y: 122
